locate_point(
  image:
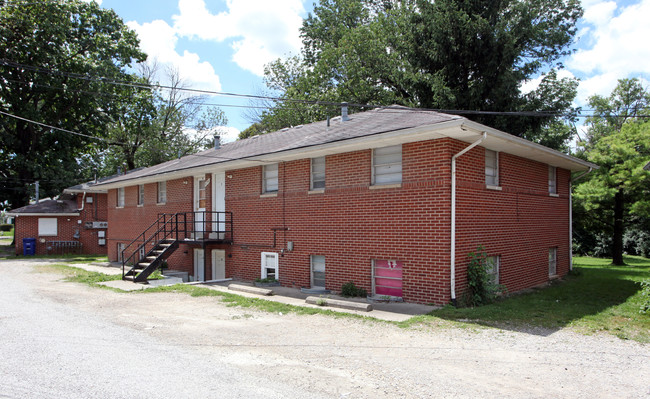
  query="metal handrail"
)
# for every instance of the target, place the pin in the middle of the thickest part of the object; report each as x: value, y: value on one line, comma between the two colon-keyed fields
x: 175, y: 225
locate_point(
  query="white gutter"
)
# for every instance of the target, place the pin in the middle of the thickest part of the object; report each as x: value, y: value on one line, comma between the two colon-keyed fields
x: 571, y: 215
x: 453, y: 214
x: 83, y: 203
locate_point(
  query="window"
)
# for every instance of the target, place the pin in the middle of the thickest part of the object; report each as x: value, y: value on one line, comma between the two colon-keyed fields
x: 162, y: 192
x: 270, y: 265
x: 552, y: 179
x: 387, y: 165
x: 492, y: 268
x: 317, y: 173
x: 317, y: 271
x: 120, y: 197
x: 270, y: 178
x: 552, y: 261
x: 491, y: 168
x: 141, y: 194
x: 202, y: 194
x: 47, y: 227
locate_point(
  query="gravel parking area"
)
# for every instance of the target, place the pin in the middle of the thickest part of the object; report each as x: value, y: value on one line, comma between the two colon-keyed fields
x: 64, y: 339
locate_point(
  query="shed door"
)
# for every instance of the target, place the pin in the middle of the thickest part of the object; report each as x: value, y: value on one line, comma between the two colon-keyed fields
x: 387, y: 278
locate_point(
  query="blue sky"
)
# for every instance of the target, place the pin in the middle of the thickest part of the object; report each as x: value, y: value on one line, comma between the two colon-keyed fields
x: 222, y: 45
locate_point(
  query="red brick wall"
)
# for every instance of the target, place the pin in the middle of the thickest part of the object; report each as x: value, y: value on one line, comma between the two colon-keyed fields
x: 127, y: 223
x: 67, y: 226
x: 352, y: 224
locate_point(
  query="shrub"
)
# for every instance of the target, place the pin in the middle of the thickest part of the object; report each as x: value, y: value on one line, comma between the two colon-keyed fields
x: 6, y: 227
x: 645, y: 296
x: 350, y: 290
x: 481, y: 289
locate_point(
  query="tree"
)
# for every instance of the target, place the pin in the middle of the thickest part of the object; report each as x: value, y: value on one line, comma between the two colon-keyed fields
x: 447, y: 54
x: 50, y: 52
x: 155, y: 125
x: 616, y: 195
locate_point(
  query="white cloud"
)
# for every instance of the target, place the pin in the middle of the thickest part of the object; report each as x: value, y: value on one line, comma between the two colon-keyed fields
x: 532, y: 84
x: 158, y: 40
x: 228, y: 134
x: 614, y: 47
x: 260, y: 30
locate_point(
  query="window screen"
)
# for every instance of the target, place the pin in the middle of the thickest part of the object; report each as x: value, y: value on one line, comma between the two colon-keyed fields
x: 552, y: 180
x: 270, y: 178
x: 47, y: 226
x: 318, y: 173
x: 162, y: 192
x: 491, y: 168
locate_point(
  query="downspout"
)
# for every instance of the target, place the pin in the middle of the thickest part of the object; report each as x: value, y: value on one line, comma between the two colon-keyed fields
x: 453, y: 215
x: 83, y: 203
x: 571, y: 214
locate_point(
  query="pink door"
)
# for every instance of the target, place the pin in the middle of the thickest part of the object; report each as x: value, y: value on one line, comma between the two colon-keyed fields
x: 388, y: 278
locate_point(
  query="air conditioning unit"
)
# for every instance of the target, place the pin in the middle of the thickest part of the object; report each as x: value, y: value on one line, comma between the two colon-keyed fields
x: 100, y: 225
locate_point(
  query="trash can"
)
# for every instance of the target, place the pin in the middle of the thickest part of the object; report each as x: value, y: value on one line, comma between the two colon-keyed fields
x: 29, y: 246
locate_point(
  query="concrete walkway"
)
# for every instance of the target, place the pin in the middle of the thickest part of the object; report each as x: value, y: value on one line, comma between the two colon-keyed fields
x: 393, y: 311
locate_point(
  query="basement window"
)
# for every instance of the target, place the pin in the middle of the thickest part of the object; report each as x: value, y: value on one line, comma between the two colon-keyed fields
x: 270, y: 265
x: 552, y: 261
x: 387, y: 165
x: 492, y: 264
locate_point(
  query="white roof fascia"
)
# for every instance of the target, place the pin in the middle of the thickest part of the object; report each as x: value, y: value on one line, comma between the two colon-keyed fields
x: 41, y: 214
x: 501, y: 141
x: 460, y: 129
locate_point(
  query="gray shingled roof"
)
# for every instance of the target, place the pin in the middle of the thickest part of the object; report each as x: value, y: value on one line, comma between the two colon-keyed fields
x: 360, y: 124
x: 48, y: 206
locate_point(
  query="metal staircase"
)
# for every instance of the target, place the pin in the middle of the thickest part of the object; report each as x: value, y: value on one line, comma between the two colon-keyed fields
x: 164, y: 235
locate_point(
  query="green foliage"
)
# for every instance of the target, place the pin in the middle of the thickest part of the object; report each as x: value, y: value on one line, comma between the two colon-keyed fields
x: 447, y: 54
x: 480, y: 285
x: 266, y: 280
x: 6, y: 227
x: 614, y: 197
x: 603, y: 298
x: 349, y: 289
x: 41, y: 43
x: 645, y: 297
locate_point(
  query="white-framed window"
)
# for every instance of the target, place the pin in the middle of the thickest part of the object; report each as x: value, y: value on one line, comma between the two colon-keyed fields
x: 202, y: 193
x: 317, y: 271
x: 492, y: 264
x: 491, y: 168
x: 387, y: 165
x: 552, y: 179
x: 140, y: 194
x: 552, y: 261
x: 48, y: 227
x: 162, y: 192
x: 317, y: 173
x: 120, y: 197
x: 270, y: 178
x: 270, y: 265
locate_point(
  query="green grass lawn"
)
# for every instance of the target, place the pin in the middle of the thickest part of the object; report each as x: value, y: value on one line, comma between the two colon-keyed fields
x: 9, y: 233
x: 69, y: 258
x: 598, y: 298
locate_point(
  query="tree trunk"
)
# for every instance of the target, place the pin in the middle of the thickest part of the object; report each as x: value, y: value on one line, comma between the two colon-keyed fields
x: 617, y: 245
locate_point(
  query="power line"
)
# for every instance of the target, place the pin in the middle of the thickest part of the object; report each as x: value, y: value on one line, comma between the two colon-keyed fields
x: 148, y: 86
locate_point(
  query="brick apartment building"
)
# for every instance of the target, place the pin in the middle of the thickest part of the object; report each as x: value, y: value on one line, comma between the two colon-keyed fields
x: 76, y: 222
x: 393, y: 199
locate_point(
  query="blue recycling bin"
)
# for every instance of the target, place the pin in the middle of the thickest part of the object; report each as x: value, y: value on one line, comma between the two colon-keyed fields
x: 29, y: 246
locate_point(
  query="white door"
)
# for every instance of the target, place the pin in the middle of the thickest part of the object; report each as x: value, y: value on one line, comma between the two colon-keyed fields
x: 218, y: 264
x: 219, y: 203
x: 270, y: 265
x: 199, y: 265
x: 200, y: 200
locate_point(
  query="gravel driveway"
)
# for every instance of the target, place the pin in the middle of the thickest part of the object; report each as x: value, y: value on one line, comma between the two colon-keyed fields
x: 68, y: 340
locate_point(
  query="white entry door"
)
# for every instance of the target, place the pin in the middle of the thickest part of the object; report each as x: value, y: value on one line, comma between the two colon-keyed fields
x: 199, y: 265
x: 200, y: 199
x: 218, y: 264
x: 219, y: 204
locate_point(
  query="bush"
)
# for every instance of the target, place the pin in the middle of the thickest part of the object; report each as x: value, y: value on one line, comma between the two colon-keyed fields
x: 636, y: 242
x: 350, y: 290
x: 481, y: 289
x: 645, y: 295
x: 6, y: 227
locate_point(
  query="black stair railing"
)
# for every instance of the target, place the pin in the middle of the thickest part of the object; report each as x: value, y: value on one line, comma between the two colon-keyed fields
x: 182, y: 226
